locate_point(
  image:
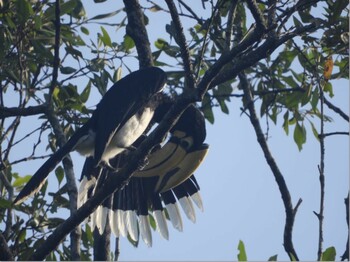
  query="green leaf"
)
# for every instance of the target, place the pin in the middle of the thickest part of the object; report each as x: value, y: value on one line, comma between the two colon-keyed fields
x: 128, y: 43
x: 22, y: 235
x: 242, y: 256
x: 328, y: 89
x: 329, y: 254
x: 65, y: 8
x: 102, y: 16
x: 67, y: 70
x: 105, y: 37
x: 21, y: 180
x: 5, y: 203
x: 160, y: 43
x: 299, y: 135
x: 297, y: 23
x: 286, y: 122
x: 272, y: 258
x: 84, y: 30
x: 117, y: 74
x: 86, y: 92
x: 314, y: 130
x: 59, y: 174
x: 152, y: 222
x: 207, y: 109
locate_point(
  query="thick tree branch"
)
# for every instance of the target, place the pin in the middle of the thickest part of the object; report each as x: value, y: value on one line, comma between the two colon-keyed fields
x: 258, y: 16
x: 287, y: 201
x: 137, y: 31
x: 16, y: 111
x: 181, y: 41
x: 5, y: 252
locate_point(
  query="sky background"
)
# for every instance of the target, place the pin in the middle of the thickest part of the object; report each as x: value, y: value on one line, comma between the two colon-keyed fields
x: 241, y: 198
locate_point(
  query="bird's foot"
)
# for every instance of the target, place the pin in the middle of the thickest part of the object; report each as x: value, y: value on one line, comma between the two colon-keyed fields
x: 142, y: 163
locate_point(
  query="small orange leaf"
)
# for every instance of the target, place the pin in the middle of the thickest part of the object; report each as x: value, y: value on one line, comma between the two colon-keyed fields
x: 328, y: 68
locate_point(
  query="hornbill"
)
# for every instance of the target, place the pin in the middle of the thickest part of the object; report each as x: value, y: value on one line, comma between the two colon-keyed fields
x: 119, y: 119
x: 166, y: 179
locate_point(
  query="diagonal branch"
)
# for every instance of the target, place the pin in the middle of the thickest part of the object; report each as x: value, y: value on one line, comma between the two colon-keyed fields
x: 336, y: 109
x: 258, y: 16
x: 286, y: 198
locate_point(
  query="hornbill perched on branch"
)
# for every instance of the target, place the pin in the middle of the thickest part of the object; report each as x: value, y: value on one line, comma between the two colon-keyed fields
x: 168, y: 174
x: 120, y: 118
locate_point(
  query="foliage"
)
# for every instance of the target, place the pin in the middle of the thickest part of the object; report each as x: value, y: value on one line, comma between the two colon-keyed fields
x: 285, y: 80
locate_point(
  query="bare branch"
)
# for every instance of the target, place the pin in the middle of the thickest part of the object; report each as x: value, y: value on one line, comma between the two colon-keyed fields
x: 258, y: 16
x: 5, y: 252
x: 345, y: 256
x: 56, y: 58
x: 137, y: 31
x: 287, y: 201
x: 181, y: 41
x: 321, y: 171
x: 336, y: 109
x: 16, y: 111
x: 333, y: 134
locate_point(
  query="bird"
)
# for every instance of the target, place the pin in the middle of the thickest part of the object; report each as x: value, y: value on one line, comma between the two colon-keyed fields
x: 121, y: 117
x: 157, y: 189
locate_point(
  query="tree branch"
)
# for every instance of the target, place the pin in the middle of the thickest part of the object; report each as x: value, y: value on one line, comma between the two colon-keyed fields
x: 61, y: 139
x: 321, y: 172
x: 290, y: 211
x: 258, y: 16
x: 336, y: 109
x: 17, y: 111
x: 181, y: 41
x: 5, y: 252
x: 345, y: 256
x: 137, y: 31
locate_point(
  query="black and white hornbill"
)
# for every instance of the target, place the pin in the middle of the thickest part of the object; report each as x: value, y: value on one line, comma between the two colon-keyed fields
x: 155, y: 190
x: 119, y: 119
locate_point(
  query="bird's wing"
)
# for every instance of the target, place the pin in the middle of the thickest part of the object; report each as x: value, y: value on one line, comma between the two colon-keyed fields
x: 122, y: 101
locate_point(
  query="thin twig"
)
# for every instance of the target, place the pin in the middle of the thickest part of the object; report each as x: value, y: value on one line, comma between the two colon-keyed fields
x: 333, y: 134
x: 336, y: 109
x: 321, y: 172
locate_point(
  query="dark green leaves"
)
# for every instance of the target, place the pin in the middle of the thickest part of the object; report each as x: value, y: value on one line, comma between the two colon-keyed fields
x: 24, y: 11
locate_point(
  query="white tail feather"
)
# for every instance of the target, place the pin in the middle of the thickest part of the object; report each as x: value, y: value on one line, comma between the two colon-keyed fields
x: 187, y: 207
x: 161, y: 223
x: 131, y: 223
x: 197, y: 199
x: 145, y: 230
x: 174, y: 215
